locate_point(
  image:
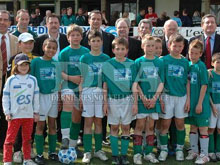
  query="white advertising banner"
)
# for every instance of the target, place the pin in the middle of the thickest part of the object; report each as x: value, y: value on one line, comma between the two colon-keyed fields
x: 187, y: 32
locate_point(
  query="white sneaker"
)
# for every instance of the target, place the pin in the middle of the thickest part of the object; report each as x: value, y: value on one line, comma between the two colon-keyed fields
x: 163, y: 156
x: 202, y: 159
x: 8, y: 163
x: 17, y: 157
x: 87, y: 157
x: 137, y: 159
x: 101, y: 155
x: 179, y: 156
x: 151, y: 157
x: 29, y: 162
x: 192, y: 155
x: 33, y: 155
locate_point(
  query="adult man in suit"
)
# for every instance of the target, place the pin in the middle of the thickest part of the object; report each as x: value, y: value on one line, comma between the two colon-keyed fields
x: 53, y: 25
x: 209, y: 25
x: 8, y: 48
x: 134, y: 49
x: 171, y: 27
x: 95, y: 22
x: 144, y: 27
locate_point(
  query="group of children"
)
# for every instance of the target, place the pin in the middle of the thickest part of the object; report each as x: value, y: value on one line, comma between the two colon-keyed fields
x: 90, y: 84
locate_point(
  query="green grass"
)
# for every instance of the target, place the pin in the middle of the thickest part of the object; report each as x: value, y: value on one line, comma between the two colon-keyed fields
x: 171, y: 159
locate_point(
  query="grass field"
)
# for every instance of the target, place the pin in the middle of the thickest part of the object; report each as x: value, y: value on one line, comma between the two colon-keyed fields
x: 171, y: 159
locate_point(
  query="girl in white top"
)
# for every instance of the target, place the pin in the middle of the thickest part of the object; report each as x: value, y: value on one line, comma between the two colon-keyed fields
x: 21, y: 107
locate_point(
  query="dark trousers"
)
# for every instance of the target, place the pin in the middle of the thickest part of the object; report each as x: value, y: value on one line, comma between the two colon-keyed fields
x: 3, y: 122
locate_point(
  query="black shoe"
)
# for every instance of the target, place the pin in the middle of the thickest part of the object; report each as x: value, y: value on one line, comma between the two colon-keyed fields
x: 65, y: 144
x: 53, y: 156
x: 124, y: 160
x: 115, y: 160
x: 39, y: 159
x: 79, y: 153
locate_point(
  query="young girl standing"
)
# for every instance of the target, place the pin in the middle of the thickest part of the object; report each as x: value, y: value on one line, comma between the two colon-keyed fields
x: 20, y: 105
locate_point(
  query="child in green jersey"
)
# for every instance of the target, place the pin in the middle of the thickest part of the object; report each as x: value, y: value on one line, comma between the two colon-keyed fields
x: 71, y: 114
x: 118, y: 76
x: 215, y: 105
x: 199, y: 104
x: 176, y: 96
x: 150, y: 78
x: 92, y: 97
x: 47, y: 72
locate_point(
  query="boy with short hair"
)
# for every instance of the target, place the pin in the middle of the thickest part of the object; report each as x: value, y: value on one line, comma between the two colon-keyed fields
x: 118, y: 76
x: 71, y: 114
x: 158, y: 46
x: 215, y: 105
x: 199, y: 104
x: 176, y: 97
x: 48, y: 75
x: 91, y: 64
x: 150, y: 79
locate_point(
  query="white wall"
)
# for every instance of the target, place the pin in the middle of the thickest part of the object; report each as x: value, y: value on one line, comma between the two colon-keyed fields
x: 166, y: 5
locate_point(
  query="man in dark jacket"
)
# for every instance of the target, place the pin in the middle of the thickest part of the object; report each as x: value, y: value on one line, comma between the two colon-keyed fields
x: 171, y: 27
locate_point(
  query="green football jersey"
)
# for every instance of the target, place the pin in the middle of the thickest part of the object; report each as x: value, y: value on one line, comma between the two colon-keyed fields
x: 150, y: 73
x: 48, y: 74
x: 91, y: 69
x: 214, y: 84
x: 176, y: 73
x: 119, y: 77
x: 69, y: 60
x: 198, y: 76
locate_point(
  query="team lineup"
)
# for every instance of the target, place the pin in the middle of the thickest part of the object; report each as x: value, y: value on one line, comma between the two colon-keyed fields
x: 122, y: 78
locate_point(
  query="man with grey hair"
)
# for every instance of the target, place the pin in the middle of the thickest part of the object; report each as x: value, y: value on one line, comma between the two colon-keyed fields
x: 171, y: 27
x: 134, y: 49
x: 8, y: 48
x: 144, y: 27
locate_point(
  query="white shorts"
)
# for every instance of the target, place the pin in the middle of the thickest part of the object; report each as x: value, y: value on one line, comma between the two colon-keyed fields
x: 92, y: 99
x: 71, y: 93
x: 174, y: 107
x: 215, y: 121
x: 120, y: 111
x: 48, y: 105
x: 153, y: 116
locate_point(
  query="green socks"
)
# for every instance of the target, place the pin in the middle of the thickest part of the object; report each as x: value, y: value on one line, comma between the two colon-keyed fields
x: 211, y: 143
x: 66, y: 119
x: 114, y: 145
x: 87, y: 142
x: 39, y: 141
x: 217, y: 143
x: 180, y: 134
x: 52, y: 140
x: 74, y: 131
x: 98, y: 142
x: 149, y: 144
x: 124, y: 144
x: 164, y: 142
x: 137, y: 144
